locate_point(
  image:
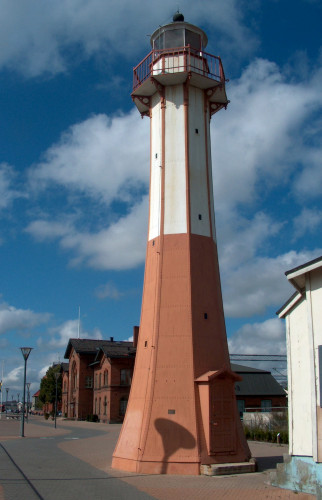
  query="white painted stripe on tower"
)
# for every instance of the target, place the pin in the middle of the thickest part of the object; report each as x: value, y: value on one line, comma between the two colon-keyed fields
x: 156, y: 170
x: 199, y: 203
x: 175, y: 217
x: 211, y: 185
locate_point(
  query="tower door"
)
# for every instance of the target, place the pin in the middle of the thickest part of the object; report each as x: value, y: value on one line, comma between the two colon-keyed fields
x: 222, y: 430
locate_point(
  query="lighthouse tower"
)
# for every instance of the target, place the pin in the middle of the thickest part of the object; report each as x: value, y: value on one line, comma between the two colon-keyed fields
x: 182, y: 411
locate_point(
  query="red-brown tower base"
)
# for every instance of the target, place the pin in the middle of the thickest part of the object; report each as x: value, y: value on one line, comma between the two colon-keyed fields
x: 182, y: 410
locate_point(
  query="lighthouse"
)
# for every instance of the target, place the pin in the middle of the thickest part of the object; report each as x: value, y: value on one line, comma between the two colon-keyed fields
x: 182, y: 411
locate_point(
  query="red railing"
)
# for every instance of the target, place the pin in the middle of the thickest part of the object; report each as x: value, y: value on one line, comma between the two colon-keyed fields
x: 181, y: 59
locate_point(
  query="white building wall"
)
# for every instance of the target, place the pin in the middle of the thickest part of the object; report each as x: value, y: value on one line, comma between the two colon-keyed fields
x: 156, y: 170
x: 316, y: 298
x: 175, y: 209
x: 298, y: 345
x: 200, y: 223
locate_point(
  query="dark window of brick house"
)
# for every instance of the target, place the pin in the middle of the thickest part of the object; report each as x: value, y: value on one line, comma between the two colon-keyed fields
x: 88, y: 382
x: 125, y: 376
x: 123, y: 405
x: 266, y: 405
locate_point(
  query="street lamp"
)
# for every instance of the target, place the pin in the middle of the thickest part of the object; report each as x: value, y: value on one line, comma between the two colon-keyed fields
x: 25, y: 351
x: 7, y: 390
x: 28, y: 395
x: 56, y: 378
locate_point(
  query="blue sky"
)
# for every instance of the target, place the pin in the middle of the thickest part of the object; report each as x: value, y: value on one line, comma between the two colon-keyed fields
x: 74, y: 166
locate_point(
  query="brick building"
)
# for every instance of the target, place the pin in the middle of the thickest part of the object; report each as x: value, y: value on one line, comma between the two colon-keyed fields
x: 113, y: 370
x: 99, y: 379
x: 64, y: 387
x: 258, y: 390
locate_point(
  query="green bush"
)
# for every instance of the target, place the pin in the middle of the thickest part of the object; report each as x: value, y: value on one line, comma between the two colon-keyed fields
x: 258, y: 434
x: 92, y: 418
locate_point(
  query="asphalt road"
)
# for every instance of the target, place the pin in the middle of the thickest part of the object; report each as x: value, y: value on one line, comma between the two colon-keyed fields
x: 37, y: 469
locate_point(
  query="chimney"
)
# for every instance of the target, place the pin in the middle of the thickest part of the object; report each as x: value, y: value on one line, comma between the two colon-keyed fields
x: 135, y: 335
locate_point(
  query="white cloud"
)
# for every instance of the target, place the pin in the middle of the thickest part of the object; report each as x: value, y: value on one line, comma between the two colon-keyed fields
x: 14, y: 375
x: 46, y: 37
x: 69, y: 330
x: 120, y: 246
x: 109, y: 290
x: 264, y: 338
x: 264, y: 134
x: 104, y: 158
x: 309, y: 182
x: 7, y: 192
x: 307, y: 221
x: 240, y: 238
x: 12, y: 318
x: 260, y: 283
x: 43, y: 230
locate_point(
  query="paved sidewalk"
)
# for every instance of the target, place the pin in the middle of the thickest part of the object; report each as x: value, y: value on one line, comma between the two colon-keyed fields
x: 74, y: 462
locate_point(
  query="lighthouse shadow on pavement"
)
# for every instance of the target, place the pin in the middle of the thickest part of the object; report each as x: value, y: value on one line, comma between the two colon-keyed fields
x: 174, y: 436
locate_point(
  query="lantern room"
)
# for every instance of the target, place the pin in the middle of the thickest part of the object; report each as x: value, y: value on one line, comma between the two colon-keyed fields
x: 178, y: 57
x: 179, y: 34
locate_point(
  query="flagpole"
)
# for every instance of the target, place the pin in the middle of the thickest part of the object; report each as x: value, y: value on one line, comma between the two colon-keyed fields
x: 78, y: 321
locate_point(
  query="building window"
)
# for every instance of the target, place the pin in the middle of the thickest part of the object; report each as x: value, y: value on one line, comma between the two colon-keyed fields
x: 126, y: 377
x: 88, y: 382
x: 99, y: 406
x: 100, y: 381
x: 95, y: 406
x: 95, y: 386
x: 266, y: 405
x: 123, y: 405
x: 105, y: 404
x: 74, y: 377
x: 241, y: 407
x: 106, y: 378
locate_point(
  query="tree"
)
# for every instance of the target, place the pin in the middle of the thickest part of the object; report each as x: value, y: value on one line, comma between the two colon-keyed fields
x: 48, y: 385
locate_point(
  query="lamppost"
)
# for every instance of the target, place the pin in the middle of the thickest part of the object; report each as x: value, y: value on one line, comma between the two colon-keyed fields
x: 7, y: 390
x: 28, y: 394
x: 25, y: 353
x: 56, y: 378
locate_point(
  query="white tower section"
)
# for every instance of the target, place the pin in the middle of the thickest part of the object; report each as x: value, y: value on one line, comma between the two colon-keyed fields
x: 180, y: 89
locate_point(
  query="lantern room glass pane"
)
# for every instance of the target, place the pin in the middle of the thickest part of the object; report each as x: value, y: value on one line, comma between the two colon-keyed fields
x: 193, y: 39
x: 158, y: 42
x: 174, y: 38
